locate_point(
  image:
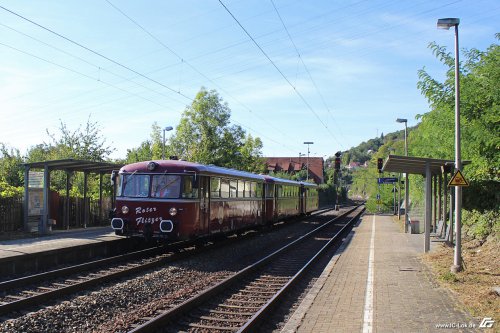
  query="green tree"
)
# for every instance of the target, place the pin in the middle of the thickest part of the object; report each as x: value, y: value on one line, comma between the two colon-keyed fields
x: 85, y: 143
x: 480, y: 120
x: 205, y: 135
x: 11, y: 170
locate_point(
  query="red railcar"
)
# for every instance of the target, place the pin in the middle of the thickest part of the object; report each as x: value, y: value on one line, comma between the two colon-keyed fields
x: 179, y: 200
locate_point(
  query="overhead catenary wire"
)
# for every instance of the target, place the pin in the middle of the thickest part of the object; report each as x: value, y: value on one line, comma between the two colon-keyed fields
x: 95, y: 52
x: 278, y: 69
x: 108, y: 59
x: 188, y: 63
x: 305, y: 67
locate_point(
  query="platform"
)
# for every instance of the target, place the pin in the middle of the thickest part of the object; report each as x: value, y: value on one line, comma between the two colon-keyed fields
x: 376, y: 283
x: 60, y: 247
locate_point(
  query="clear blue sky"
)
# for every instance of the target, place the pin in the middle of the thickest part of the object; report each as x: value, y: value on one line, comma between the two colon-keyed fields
x: 356, y: 73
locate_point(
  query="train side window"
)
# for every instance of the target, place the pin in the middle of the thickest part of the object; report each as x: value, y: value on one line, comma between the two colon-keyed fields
x: 224, y: 188
x: 259, y: 190
x: 241, y: 188
x: 253, y: 187
x: 247, y: 189
x: 233, y: 188
x: 270, y: 190
x: 215, y: 187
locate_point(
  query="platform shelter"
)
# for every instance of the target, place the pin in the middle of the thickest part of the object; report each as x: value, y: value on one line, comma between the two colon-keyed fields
x: 437, y: 194
x: 69, y: 166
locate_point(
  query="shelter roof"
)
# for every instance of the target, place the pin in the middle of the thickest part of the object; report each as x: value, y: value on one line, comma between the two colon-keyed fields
x: 75, y: 165
x: 415, y: 165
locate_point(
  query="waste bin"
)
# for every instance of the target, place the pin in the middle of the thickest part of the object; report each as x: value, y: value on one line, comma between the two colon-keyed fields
x: 415, y: 226
x: 51, y: 224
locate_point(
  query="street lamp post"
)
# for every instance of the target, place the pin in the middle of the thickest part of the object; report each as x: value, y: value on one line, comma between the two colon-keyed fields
x: 407, y: 186
x: 308, y: 143
x: 447, y: 23
x: 166, y: 129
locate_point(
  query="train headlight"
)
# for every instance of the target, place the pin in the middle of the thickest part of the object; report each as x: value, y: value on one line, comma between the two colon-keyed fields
x: 125, y: 210
x: 173, y: 211
x: 152, y: 166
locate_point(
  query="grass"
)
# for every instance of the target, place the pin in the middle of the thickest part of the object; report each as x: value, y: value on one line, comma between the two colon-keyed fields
x: 472, y: 286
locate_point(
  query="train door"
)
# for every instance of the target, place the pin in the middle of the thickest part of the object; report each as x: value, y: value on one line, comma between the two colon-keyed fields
x: 303, y: 200
x: 204, y: 203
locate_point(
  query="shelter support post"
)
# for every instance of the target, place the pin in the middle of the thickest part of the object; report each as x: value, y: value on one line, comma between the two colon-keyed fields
x: 42, y: 227
x: 399, y: 197
x: 85, y: 205
x: 66, y: 208
x: 428, y: 207
x: 445, y: 200
x: 100, y: 197
x: 407, y: 198
x: 26, y: 198
x: 440, y: 203
x: 434, y: 204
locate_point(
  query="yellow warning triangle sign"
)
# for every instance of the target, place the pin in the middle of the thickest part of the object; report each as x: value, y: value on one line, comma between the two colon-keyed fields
x: 458, y: 180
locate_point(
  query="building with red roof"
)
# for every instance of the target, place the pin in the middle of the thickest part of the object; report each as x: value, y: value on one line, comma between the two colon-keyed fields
x: 293, y: 165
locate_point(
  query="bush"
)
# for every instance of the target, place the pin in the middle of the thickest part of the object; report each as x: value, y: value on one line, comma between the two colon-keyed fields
x: 7, y: 191
x: 480, y: 225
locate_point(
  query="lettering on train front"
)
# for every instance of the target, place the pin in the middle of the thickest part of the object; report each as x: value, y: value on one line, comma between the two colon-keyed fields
x: 146, y: 220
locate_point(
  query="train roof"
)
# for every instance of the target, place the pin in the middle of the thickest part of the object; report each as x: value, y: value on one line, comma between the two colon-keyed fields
x: 307, y: 184
x: 177, y: 166
x: 282, y: 181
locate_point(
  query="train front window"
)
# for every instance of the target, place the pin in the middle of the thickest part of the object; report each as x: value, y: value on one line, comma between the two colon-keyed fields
x: 135, y: 185
x: 166, y: 186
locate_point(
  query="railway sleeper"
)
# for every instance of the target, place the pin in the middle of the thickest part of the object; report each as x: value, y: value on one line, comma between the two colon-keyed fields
x: 249, y: 314
x: 267, y: 285
x: 251, y: 308
x: 256, y: 291
x: 269, y: 277
x: 244, y: 298
x: 225, y: 320
x: 14, y: 297
x: 213, y: 328
x: 245, y: 303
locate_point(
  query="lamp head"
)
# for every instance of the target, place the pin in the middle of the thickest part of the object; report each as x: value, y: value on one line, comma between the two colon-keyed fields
x: 447, y: 23
x: 401, y: 120
x: 168, y: 128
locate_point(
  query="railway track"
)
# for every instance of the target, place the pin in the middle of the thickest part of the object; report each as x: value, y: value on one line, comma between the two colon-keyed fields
x: 22, y: 293
x: 240, y: 302
x: 28, y: 292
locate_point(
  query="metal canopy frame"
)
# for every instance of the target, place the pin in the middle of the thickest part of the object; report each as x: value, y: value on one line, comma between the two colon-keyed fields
x: 414, y: 165
x: 69, y: 166
x: 428, y: 168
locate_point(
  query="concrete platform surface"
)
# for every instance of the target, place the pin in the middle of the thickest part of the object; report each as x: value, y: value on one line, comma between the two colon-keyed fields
x: 376, y: 283
x: 56, y: 240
